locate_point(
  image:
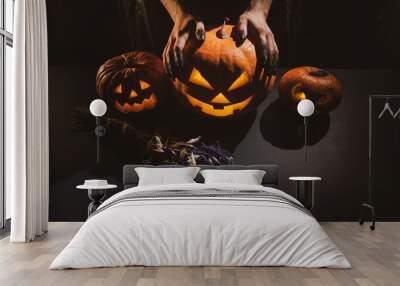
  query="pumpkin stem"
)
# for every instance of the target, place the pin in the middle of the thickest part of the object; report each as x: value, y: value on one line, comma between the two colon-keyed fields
x: 221, y: 33
x: 319, y: 73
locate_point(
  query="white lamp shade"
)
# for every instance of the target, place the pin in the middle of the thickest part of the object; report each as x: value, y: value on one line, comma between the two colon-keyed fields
x: 98, y: 107
x: 305, y: 108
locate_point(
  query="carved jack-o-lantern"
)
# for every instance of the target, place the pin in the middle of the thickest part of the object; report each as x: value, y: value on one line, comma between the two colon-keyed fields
x: 318, y: 85
x: 219, y: 76
x: 132, y: 82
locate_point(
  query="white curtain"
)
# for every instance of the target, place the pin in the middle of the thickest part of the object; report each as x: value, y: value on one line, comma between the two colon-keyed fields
x: 27, y: 144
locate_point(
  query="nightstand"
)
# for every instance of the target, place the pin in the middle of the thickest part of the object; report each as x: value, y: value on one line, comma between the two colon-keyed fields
x: 305, y: 190
x: 96, y: 194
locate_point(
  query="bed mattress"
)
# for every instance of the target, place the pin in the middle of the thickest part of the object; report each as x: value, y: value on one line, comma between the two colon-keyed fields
x: 201, y: 225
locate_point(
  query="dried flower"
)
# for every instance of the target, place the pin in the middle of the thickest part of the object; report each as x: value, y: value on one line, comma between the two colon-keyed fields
x: 190, y: 153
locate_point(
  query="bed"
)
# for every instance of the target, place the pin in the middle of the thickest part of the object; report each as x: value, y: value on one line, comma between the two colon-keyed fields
x: 198, y: 224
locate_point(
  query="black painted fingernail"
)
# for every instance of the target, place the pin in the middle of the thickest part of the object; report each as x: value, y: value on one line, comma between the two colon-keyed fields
x: 201, y: 36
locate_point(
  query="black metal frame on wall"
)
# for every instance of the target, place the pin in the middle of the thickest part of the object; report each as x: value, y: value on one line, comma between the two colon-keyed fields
x: 6, y: 39
x: 384, y: 112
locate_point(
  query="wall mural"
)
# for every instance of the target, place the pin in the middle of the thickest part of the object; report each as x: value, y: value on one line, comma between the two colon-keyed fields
x: 216, y: 83
x: 232, y: 85
x: 225, y: 76
x: 221, y: 79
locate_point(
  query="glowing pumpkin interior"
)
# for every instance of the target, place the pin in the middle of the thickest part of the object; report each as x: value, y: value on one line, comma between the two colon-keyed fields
x: 134, y: 96
x: 218, y: 80
x: 217, y: 102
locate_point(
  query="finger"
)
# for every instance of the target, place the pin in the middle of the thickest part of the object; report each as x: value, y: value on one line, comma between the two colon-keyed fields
x: 258, y: 72
x: 263, y: 50
x: 166, y: 61
x: 239, y: 32
x: 241, y: 27
x: 171, y: 59
x: 270, y: 66
x: 273, y: 55
x: 178, y: 51
x: 200, y: 31
x: 264, y: 78
x: 266, y: 55
x: 276, y: 56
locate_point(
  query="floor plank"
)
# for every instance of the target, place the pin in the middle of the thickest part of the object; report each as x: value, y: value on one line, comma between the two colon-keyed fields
x: 375, y: 257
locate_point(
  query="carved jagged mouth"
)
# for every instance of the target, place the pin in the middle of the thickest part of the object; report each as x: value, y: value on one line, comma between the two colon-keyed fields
x: 123, y: 98
x: 218, y: 110
x: 147, y: 103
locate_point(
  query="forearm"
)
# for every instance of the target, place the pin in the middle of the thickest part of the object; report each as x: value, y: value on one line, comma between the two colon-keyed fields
x: 173, y: 7
x: 260, y: 6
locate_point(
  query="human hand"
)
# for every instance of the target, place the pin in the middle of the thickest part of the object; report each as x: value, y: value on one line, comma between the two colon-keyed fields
x: 185, y: 27
x: 252, y: 24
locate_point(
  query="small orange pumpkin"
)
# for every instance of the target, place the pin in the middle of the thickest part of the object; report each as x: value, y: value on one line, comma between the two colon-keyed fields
x: 316, y: 84
x: 132, y: 82
x: 219, y: 76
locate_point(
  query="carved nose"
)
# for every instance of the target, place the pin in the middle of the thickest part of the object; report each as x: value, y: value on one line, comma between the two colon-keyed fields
x: 133, y: 94
x: 221, y: 99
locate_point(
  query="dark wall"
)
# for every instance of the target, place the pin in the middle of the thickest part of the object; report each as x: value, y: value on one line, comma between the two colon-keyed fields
x: 355, y: 49
x: 335, y: 34
x: 340, y: 157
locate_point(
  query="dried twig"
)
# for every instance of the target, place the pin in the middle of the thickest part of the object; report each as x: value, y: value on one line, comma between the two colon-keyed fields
x: 191, y: 152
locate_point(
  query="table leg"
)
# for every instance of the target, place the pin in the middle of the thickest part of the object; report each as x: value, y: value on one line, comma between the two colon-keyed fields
x: 372, y: 210
x: 96, y: 196
x: 305, y: 193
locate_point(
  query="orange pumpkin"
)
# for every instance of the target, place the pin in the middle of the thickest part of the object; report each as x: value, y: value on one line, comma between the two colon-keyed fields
x: 219, y: 78
x: 318, y: 85
x: 132, y: 82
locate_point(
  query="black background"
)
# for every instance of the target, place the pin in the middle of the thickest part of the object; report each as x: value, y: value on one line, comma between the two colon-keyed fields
x: 356, y: 40
x: 336, y: 34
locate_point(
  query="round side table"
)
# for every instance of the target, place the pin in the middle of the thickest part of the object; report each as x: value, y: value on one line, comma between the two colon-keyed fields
x: 96, y: 194
x: 305, y: 190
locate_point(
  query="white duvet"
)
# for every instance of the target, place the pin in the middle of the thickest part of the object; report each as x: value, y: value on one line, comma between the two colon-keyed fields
x: 200, y: 231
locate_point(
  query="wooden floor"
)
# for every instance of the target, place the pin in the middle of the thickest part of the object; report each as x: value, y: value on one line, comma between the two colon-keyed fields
x: 375, y: 257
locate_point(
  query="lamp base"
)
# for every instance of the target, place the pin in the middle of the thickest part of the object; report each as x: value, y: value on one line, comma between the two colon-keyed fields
x: 100, y: 131
x: 372, y: 210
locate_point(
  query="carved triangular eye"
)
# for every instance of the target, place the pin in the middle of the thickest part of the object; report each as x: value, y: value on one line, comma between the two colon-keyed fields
x: 143, y: 84
x: 118, y: 89
x: 197, y: 78
x: 240, y: 81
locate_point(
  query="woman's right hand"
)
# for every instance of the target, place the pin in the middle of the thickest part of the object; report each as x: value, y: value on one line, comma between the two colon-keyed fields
x: 185, y: 27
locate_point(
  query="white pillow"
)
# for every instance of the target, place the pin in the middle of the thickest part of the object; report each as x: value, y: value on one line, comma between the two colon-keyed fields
x: 248, y: 177
x: 163, y: 176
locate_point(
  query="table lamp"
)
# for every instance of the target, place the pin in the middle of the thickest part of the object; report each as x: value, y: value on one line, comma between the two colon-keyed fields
x: 305, y: 108
x: 98, y: 108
